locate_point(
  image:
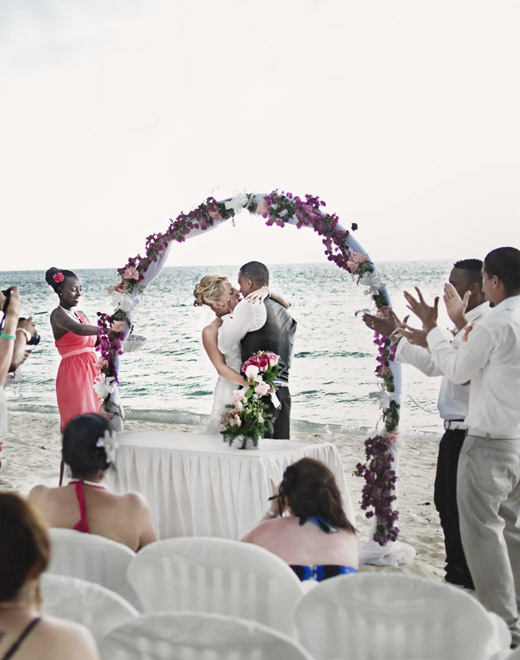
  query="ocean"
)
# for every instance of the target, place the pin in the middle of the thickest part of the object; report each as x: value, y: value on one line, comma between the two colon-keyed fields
x: 170, y: 379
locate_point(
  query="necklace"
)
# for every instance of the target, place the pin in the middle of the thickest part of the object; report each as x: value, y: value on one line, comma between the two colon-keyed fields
x: 87, y: 483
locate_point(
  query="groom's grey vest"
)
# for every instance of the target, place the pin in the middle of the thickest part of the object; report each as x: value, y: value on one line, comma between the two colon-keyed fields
x: 276, y: 335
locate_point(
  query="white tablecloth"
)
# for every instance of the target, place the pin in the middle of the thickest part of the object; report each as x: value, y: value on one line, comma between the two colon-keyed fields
x: 196, y: 485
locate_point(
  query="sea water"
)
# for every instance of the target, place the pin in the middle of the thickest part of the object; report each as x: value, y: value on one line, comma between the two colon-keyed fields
x: 170, y: 379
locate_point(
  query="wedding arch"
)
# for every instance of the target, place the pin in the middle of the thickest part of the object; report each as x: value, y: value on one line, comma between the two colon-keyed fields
x: 278, y: 208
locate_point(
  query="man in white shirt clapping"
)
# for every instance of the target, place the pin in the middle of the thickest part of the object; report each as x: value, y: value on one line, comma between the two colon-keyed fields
x: 488, y: 490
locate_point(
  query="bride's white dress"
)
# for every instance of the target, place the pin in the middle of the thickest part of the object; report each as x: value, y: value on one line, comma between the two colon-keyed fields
x: 224, y: 390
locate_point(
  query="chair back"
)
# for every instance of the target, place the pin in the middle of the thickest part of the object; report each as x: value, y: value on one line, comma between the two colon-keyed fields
x: 206, y: 574
x: 96, y: 607
x: 189, y: 636
x: 369, y: 616
x: 93, y: 558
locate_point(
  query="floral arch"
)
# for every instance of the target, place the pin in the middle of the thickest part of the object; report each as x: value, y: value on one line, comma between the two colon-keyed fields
x: 278, y: 208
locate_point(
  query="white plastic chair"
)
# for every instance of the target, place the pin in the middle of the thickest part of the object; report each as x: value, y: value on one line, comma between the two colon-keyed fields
x: 370, y: 616
x: 96, y: 607
x: 92, y: 558
x: 206, y: 574
x: 190, y: 636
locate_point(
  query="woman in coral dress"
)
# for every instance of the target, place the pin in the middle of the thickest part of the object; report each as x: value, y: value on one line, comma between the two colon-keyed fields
x: 75, y: 340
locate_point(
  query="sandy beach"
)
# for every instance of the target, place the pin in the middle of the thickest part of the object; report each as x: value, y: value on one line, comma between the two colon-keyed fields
x: 31, y: 455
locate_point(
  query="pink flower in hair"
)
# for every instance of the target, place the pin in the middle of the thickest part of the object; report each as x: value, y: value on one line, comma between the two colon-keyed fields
x: 58, y: 277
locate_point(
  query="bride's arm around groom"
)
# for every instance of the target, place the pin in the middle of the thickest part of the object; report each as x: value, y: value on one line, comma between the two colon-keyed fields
x: 263, y: 327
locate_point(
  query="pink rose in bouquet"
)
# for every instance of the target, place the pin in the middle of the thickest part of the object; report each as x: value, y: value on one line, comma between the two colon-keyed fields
x: 238, y: 397
x: 273, y: 359
x: 251, y: 371
x: 262, y: 388
x: 263, y: 362
x: 235, y: 421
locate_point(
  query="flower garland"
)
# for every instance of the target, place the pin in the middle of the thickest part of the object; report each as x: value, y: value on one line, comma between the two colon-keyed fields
x: 279, y: 208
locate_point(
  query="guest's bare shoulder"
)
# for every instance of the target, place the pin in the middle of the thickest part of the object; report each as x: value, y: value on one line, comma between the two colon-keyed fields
x: 38, y: 494
x: 269, y: 529
x: 134, y: 501
x: 63, y: 640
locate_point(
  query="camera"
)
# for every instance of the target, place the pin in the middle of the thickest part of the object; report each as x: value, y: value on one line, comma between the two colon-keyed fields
x: 7, y: 294
x: 35, y: 339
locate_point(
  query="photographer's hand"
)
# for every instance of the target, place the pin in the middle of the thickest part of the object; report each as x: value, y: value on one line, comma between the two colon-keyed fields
x: 12, y: 313
x: 24, y: 332
x: 27, y: 325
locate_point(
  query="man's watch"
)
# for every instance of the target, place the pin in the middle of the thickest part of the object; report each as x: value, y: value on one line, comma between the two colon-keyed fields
x: 396, y: 336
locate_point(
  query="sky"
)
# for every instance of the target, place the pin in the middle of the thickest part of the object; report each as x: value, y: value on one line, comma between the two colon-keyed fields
x: 117, y: 115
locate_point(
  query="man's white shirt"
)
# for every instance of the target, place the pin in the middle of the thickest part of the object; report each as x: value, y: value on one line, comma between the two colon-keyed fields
x: 453, y: 398
x: 490, y: 359
x: 246, y: 317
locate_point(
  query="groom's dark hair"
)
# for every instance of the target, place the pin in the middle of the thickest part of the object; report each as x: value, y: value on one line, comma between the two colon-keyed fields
x: 256, y: 272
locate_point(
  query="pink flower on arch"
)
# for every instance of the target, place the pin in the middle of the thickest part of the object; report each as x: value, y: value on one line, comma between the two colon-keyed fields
x: 355, y: 259
x: 262, y: 208
x: 215, y: 215
x: 131, y: 273
x: 117, y: 326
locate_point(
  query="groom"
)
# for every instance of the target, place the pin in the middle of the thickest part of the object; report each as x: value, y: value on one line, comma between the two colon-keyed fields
x: 276, y: 335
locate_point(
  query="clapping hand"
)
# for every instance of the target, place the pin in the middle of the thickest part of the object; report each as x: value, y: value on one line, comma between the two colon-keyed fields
x: 455, y: 305
x: 426, y: 313
x: 385, y: 323
x: 414, y: 335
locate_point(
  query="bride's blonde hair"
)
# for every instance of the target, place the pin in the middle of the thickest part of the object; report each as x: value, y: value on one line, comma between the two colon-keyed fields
x: 210, y: 289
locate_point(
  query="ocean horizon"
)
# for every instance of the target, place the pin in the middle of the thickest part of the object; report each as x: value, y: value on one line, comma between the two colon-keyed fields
x: 170, y: 379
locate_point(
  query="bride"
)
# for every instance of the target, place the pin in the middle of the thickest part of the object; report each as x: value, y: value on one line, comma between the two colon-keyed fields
x: 221, y: 297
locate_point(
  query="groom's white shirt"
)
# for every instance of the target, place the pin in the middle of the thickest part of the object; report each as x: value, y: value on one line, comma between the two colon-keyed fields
x: 246, y: 317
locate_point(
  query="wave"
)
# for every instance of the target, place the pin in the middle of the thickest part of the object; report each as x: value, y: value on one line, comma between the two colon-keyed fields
x: 321, y: 430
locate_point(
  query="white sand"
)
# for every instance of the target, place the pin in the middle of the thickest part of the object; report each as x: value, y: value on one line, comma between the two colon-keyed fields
x: 31, y: 455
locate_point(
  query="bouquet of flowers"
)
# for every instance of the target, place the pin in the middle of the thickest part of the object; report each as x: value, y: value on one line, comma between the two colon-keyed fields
x: 246, y: 419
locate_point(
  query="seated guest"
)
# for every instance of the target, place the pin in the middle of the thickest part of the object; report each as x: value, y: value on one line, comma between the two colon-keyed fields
x: 314, y: 537
x: 24, y: 555
x: 85, y: 503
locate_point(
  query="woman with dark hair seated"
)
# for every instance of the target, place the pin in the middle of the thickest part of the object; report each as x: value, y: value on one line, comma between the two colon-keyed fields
x: 85, y: 503
x: 24, y: 555
x: 314, y: 536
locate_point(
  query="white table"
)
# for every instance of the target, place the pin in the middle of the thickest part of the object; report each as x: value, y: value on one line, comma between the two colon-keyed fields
x: 196, y: 485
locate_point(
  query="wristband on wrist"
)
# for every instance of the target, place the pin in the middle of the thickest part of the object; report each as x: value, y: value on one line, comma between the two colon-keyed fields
x: 4, y: 336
